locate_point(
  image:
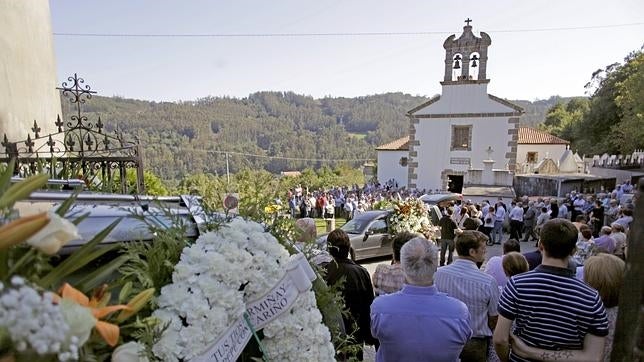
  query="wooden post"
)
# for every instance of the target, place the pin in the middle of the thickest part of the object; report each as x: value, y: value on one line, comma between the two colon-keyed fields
x: 628, y: 345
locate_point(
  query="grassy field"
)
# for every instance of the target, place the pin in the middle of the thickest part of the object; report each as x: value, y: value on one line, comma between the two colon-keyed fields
x: 321, y: 224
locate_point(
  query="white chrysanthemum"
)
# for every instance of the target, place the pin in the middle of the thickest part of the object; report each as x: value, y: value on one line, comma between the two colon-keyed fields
x: 212, y: 283
x: 285, y: 337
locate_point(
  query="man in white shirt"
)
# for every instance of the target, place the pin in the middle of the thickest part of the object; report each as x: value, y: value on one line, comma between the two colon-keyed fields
x: 578, y: 207
x: 499, y: 217
x: 516, y: 221
x: 348, y: 207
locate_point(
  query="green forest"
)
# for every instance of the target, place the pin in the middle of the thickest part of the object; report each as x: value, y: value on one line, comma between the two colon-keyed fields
x: 263, y: 130
x: 283, y: 131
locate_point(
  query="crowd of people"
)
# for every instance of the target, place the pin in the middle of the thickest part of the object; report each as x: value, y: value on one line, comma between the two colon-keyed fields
x: 344, y: 202
x: 559, y: 301
x: 601, y: 220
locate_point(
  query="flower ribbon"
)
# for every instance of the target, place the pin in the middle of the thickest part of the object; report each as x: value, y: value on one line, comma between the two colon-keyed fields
x: 259, y: 313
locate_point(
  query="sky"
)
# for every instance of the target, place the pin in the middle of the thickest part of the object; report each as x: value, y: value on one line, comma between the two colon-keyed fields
x: 524, y: 61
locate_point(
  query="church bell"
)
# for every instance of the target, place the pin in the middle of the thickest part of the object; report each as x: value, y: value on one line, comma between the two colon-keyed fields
x: 457, y: 62
x: 474, y: 59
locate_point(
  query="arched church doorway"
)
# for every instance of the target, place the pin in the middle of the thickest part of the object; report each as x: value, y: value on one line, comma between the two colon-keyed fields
x: 455, y: 183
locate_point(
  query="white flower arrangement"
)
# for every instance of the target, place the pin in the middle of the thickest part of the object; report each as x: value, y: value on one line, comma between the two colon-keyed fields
x: 212, y: 283
x: 129, y: 352
x: 300, y: 335
x: 36, y: 324
x: 411, y: 215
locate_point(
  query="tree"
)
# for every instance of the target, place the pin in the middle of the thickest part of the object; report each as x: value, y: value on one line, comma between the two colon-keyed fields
x: 630, y: 100
x: 564, y: 120
x: 613, y: 121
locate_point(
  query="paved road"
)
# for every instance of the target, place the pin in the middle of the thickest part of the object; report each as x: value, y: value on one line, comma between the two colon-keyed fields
x: 370, y: 265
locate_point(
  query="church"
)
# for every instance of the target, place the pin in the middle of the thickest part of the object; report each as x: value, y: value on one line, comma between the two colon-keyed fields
x: 456, y: 138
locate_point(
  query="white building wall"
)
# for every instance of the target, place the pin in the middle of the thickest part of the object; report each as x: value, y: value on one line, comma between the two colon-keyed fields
x: 464, y: 98
x: 389, y: 167
x: 554, y: 151
x: 434, y: 155
x: 27, y: 69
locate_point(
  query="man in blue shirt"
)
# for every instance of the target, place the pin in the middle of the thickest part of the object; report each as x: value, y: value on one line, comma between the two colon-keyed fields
x: 419, y: 323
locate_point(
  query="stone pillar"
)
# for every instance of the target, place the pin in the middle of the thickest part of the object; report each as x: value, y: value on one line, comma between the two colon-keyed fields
x: 488, y: 173
x: 27, y: 69
x: 448, y: 66
x: 465, y: 69
x: 482, y: 63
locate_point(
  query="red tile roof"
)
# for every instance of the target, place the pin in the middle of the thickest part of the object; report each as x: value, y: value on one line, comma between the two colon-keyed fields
x: 528, y: 135
x: 401, y: 144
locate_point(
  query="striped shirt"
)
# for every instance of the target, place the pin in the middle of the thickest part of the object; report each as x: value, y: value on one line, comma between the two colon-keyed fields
x: 552, y: 310
x: 479, y: 291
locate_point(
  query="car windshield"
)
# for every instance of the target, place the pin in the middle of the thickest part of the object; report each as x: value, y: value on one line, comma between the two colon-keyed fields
x: 355, y: 226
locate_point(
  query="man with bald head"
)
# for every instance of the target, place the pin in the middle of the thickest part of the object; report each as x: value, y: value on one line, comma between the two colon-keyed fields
x: 419, y: 323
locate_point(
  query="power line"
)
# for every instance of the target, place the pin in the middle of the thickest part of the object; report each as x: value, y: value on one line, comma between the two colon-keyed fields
x: 280, y: 157
x: 340, y: 34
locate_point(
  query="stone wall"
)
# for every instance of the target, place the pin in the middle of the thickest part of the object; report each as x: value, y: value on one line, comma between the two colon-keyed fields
x: 533, y: 186
x: 27, y: 69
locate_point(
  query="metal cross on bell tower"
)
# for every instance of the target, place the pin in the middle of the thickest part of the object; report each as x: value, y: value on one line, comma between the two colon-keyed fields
x: 468, y: 21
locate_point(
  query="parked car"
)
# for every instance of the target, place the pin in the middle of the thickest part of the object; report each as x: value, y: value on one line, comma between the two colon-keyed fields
x: 369, y: 234
x: 103, y: 209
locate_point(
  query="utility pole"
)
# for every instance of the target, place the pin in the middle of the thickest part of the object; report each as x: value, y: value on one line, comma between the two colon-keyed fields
x: 227, y: 169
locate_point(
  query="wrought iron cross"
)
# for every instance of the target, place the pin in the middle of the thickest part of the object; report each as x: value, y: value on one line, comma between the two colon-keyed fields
x: 76, y: 92
x: 468, y: 21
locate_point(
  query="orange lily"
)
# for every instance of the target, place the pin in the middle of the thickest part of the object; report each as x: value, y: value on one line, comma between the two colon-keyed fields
x: 109, y: 331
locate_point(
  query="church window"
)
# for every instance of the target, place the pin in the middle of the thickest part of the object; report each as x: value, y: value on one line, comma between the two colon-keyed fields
x: 532, y: 157
x: 461, y: 138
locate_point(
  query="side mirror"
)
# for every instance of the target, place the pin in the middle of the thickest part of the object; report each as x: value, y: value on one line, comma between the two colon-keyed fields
x: 367, y: 234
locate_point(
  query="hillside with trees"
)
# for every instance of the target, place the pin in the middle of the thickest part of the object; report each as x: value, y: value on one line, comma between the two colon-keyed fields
x: 273, y: 131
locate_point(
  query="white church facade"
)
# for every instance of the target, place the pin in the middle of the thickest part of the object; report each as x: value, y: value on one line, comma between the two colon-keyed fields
x: 464, y: 126
x: 533, y: 147
x: 459, y: 129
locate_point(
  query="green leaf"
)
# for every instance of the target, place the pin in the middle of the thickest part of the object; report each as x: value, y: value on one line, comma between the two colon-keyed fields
x: 22, y: 190
x: 100, y: 275
x: 67, y: 204
x: 4, y: 267
x: 81, y: 257
x: 79, y: 219
x: 125, y: 290
x: 5, y: 178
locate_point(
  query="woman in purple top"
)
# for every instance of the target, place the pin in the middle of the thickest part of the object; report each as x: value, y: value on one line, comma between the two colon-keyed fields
x: 494, y: 265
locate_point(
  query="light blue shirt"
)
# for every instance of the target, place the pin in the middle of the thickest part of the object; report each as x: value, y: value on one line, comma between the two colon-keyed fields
x: 419, y: 324
x: 478, y: 290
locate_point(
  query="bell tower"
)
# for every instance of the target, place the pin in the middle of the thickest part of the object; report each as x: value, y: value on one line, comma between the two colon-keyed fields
x: 466, y: 57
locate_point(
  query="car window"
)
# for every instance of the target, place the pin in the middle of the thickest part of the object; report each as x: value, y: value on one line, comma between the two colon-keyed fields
x: 354, y: 226
x: 378, y: 226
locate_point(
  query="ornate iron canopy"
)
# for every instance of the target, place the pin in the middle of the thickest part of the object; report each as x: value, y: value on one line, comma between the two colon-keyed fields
x: 80, y: 148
